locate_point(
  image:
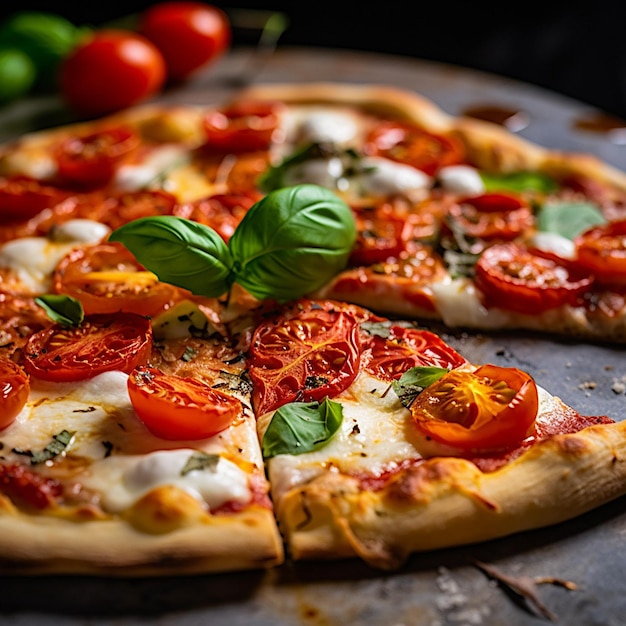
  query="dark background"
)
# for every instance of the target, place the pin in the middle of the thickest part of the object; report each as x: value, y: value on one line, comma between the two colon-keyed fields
x: 577, y: 49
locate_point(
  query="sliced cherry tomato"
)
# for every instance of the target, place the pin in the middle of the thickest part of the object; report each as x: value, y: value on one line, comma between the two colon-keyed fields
x: 307, y: 354
x: 179, y: 408
x: 242, y: 127
x: 410, y: 144
x: 14, y: 390
x: 190, y: 35
x: 107, y: 278
x: 27, y: 487
x: 20, y: 317
x: 404, y: 348
x: 492, y: 216
x: 103, y: 342
x: 602, y: 250
x: 514, y: 278
x: 221, y: 212
x: 91, y: 160
x: 21, y: 198
x: 491, y: 408
x: 111, y: 70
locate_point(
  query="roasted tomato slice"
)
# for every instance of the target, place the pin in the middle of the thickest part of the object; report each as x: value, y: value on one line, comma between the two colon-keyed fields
x: 91, y: 160
x: 410, y: 144
x: 20, y: 317
x: 512, y: 277
x: 107, y: 278
x: 242, y: 127
x: 14, y: 390
x: 222, y: 212
x: 179, y: 408
x: 491, y: 216
x: 21, y: 198
x: 602, y: 250
x: 103, y: 342
x: 491, y: 408
x: 307, y: 354
x: 392, y: 355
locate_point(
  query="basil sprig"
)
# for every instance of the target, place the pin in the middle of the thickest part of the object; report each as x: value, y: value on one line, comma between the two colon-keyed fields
x: 519, y: 182
x: 288, y: 244
x: 568, y: 219
x: 62, y: 309
x: 300, y: 427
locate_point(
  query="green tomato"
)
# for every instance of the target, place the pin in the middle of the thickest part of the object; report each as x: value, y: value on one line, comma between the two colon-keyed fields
x: 45, y: 37
x: 17, y: 74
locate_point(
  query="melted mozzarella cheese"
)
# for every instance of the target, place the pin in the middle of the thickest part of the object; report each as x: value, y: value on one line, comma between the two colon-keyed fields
x: 304, y: 125
x: 133, y: 177
x: 462, y: 179
x: 372, y: 438
x: 124, y: 480
x: 124, y: 459
x: 182, y: 320
x: 383, y: 177
x: 557, y: 244
x: 79, y: 231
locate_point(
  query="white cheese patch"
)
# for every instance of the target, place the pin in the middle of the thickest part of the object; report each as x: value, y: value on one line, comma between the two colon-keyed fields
x: 133, y: 177
x: 383, y: 177
x: 459, y: 305
x: 372, y: 438
x: 322, y: 172
x: 79, y: 231
x: 33, y: 259
x: 124, y: 480
x: 554, y: 243
x: 303, y: 125
x: 461, y: 179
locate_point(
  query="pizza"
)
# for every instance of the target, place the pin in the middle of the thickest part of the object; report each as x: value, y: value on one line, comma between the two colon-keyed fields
x: 218, y: 333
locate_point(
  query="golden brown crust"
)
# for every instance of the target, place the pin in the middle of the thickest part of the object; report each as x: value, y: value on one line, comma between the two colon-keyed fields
x: 446, y: 501
x: 38, y: 544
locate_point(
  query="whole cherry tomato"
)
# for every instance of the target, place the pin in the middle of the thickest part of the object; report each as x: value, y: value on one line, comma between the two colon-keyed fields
x: 190, y: 35
x: 491, y: 408
x: 110, y: 71
x: 177, y: 408
x: 14, y: 390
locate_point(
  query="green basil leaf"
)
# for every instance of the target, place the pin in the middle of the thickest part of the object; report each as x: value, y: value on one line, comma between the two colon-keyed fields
x: 519, y: 182
x: 181, y: 252
x: 292, y: 242
x: 300, y: 427
x: 414, y: 381
x: 568, y: 219
x: 62, y: 309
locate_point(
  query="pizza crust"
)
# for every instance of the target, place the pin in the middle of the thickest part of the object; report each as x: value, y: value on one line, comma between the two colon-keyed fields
x: 42, y: 544
x: 446, y: 502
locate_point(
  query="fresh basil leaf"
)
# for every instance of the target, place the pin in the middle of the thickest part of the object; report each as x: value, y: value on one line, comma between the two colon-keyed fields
x: 519, y: 182
x: 300, y: 427
x: 568, y: 219
x: 62, y: 309
x: 58, y: 445
x: 414, y: 381
x: 181, y: 252
x: 292, y: 242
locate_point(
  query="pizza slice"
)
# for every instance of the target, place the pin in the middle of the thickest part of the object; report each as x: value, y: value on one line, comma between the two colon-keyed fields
x: 381, y: 440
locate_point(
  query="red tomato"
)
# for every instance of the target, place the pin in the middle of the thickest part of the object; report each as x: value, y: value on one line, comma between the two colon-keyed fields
x: 221, y: 212
x: 512, y: 277
x: 14, y: 390
x: 602, y: 250
x: 404, y: 348
x: 492, y: 216
x: 103, y: 342
x: 107, y: 278
x: 112, y: 70
x: 242, y: 127
x: 91, y: 160
x: 179, y: 408
x: 22, y: 198
x: 20, y: 317
x: 305, y: 355
x: 410, y: 144
x: 492, y: 408
x: 190, y: 35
